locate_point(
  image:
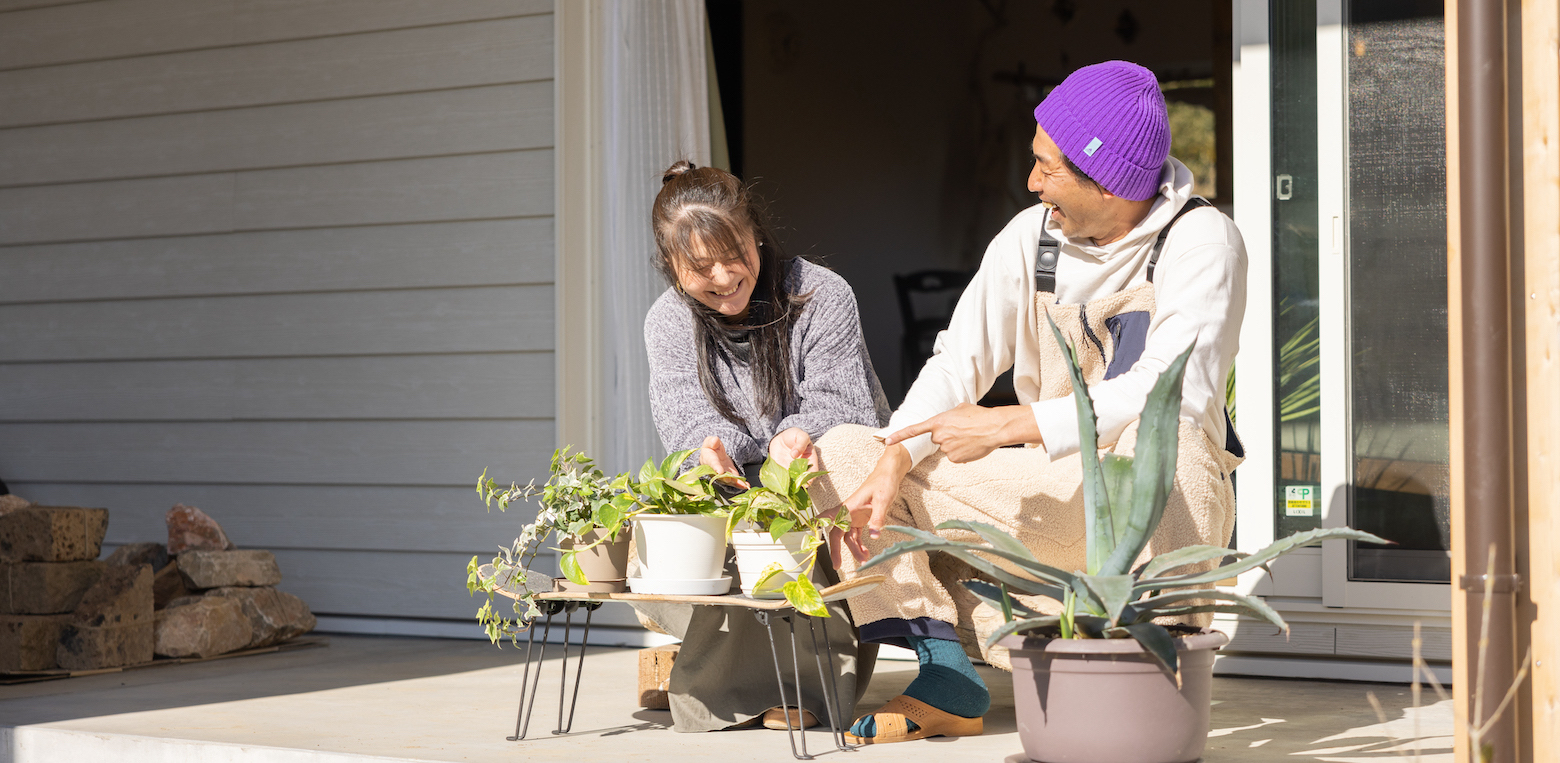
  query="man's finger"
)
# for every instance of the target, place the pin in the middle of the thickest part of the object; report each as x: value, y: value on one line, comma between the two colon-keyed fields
x: 914, y: 430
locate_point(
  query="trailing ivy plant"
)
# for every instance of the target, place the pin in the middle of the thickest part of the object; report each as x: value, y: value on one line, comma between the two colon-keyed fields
x: 1124, y: 499
x: 779, y: 505
x: 576, y: 499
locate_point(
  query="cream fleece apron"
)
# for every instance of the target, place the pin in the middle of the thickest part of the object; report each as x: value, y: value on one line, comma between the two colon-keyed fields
x: 1021, y: 490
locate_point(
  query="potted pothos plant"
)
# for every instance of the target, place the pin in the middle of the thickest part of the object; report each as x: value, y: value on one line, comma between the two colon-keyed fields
x: 679, y: 527
x: 583, y: 509
x: 1102, y: 680
x: 776, y: 533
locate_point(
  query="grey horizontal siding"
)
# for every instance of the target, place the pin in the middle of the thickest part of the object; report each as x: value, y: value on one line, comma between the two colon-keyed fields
x: 111, y: 29
x: 290, y: 261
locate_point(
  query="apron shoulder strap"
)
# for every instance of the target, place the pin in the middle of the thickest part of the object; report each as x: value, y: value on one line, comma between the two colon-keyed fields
x: 1046, y: 258
x: 1164, y: 233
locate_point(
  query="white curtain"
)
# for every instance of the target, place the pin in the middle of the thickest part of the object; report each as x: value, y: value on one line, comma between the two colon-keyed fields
x: 656, y: 88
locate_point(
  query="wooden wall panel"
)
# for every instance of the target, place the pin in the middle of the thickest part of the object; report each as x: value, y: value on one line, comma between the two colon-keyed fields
x: 481, y: 186
x: 342, y: 517
x: 441, y: 122
x: 500, y: 385
x: 419, y: 453
x: 123, y: 28
x: 485, y: 319
x: 469, y: 253
x: 411, y: 190
x: 117, y: 209
x: 429, y: 58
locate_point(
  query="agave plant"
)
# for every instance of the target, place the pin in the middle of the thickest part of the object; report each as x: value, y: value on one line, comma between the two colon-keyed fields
x: 1124, y: 500
x: 779, y: 505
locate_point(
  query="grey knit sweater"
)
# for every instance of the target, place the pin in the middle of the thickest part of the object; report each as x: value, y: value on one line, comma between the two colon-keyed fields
x: 829, y: 363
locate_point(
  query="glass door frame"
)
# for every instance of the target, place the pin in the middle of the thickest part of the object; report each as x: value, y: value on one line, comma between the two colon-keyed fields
x: 1308, y: 573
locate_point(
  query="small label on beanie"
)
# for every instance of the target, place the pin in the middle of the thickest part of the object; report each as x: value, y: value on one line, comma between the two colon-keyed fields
x: 1094, y: 145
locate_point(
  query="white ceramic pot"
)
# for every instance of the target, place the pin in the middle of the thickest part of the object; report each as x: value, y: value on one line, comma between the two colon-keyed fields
x: 680, y: 546
x: 756, y: 551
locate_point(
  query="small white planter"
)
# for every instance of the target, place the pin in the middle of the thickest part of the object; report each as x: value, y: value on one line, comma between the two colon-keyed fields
x: 756, y: 551
x: 680, y: 547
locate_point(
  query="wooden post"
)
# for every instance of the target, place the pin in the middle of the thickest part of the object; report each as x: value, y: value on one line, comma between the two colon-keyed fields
x: 1541, y: 298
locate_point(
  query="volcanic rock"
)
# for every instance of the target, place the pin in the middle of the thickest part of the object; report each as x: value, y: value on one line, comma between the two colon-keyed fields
x: 168, y: 585
x: 206, y: 627
x: 218, y: 569
x: 190, y: 529
x: 275, y: 616
x: 84, y: 647
x: 121, y: 596
x: 155, y: 554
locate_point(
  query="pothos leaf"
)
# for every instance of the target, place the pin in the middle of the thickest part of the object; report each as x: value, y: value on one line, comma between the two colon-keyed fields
x: 571, y: 568
x: 802, y: 595
x: 774, y: 477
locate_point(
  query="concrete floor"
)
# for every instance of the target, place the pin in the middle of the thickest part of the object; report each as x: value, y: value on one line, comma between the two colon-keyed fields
x: 387, y: 698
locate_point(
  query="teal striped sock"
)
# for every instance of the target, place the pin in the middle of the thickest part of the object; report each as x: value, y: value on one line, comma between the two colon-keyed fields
x: 947, y: 681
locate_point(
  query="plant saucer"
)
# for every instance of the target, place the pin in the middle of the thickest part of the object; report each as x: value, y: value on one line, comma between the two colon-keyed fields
x: 711, y: 587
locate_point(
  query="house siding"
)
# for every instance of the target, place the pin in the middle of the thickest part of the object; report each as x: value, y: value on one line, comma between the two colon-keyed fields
x: 289, y: 261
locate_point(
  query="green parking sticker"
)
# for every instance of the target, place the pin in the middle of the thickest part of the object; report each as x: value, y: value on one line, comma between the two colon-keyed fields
x: 1301, y: 500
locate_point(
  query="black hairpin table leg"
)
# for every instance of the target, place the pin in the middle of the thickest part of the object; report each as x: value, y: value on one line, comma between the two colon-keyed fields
x: 828, y: 684
x: 523, y: 715
x: 766, y: 619
x: 579, y: 665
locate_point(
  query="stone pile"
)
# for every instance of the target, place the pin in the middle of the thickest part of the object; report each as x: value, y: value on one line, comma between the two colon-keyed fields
x: 198, y: 596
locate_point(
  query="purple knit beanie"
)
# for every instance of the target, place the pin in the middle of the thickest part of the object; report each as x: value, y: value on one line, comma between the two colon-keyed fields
x: 1109, y: 119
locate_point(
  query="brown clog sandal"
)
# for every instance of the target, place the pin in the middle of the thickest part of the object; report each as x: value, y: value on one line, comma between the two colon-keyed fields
x: 891, y: 726
x: 775, y: 718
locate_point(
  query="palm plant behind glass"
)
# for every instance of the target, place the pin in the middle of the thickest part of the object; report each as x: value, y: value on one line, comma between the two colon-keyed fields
x: 1124, y: 499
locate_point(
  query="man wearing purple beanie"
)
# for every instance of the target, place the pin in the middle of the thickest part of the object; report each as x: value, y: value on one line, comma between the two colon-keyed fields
x: 1133, y: 269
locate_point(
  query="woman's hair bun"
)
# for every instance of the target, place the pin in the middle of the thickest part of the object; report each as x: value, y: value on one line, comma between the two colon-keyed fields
x: 677, y: 169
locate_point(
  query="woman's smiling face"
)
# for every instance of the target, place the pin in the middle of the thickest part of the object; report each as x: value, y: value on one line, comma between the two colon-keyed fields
x: 721, y: 281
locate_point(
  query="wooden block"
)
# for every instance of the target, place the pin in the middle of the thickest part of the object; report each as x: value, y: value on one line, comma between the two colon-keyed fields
x: 45, y: 588
x: 655, y: 675
x: 51, y: 534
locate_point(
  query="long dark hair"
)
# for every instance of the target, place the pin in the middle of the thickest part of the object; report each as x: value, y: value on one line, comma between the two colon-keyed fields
x: 710, y: 210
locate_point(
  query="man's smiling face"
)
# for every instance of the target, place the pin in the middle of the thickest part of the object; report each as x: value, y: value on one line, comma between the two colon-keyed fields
x: 1077, y: 205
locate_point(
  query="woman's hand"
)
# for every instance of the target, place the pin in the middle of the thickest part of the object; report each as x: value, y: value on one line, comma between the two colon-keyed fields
x: 790, y: 445
x: 869, y: 505
x: 713, y: 454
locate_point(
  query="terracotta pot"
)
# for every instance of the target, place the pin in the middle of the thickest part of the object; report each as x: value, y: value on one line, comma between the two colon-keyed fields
x: 606, y: 562
x: 1108, y: 701
x: 755, y: 551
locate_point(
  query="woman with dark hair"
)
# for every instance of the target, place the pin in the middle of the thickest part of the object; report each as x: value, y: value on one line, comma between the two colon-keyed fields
x: 752, y: 354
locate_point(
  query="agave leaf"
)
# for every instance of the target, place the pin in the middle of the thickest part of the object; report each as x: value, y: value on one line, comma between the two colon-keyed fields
x: 1150, y: 608
x: 924, y: 540
x: 1156, y: 640
x: 1090, y: 626
x: 804, y: 597
x: 1112, y: 592
x: 775, y: 477
x: 991, y: 534
x: 1153, y: 466
x: 1027, y: 624
x: 993, y: 595
x: 963, y: 552
x: 1228, y: 609
x: 1118, y: 483
x: 1096, y: 498
x: 1274, y: 550
x: 1181, y: 557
